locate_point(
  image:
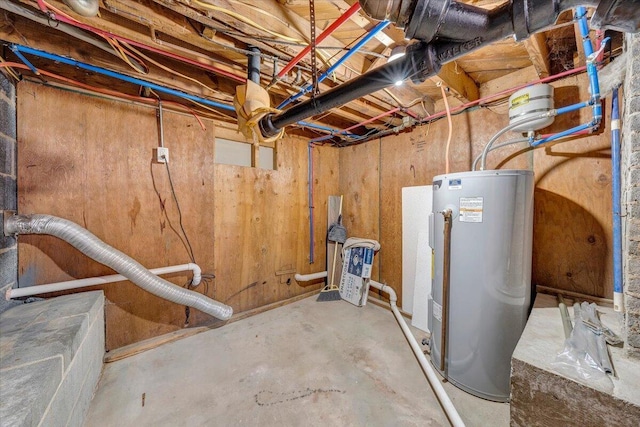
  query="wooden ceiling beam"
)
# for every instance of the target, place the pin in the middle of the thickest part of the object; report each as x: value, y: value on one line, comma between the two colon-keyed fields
x: 461, y: 85
x: 184, y: 32
x: 508, y: 81
x: 538, y: 50
x: 370, y: 105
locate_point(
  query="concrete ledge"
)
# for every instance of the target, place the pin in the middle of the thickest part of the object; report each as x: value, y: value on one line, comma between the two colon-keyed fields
x: 541, y: 396
x: 50, y: 360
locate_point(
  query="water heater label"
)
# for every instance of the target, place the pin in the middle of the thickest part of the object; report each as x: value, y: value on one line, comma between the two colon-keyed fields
x: 455, y: 184
x: 437, y: 311
x: 471, y: 209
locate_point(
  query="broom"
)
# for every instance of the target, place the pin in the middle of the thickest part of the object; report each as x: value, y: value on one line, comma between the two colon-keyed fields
x: 336, y: 233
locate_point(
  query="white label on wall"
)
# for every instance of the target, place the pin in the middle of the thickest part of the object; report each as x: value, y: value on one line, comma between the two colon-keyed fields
x: 437, y: 311
x: 471, y: 209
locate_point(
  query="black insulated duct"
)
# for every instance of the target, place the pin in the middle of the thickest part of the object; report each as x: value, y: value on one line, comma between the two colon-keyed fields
x: 447, y: 30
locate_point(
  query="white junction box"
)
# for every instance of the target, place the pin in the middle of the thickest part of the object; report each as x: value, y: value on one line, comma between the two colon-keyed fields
x: 162, y: 154
x: 356, y: 272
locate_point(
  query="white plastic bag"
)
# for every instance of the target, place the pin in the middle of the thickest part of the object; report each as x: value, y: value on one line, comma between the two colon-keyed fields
x: 579, y: 359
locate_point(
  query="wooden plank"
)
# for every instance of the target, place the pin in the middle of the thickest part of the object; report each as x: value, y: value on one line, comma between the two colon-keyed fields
x: 461, y: 85
x: 151, y: 343
x: 538, y: 50
x: 508, y: 81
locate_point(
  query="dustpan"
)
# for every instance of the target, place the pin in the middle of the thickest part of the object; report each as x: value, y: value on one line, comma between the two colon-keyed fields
x: 337, y: 232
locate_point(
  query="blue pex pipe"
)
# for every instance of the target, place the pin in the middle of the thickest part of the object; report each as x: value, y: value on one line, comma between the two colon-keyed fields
x: 26, y: 62
x: 371, y: 34
x: 617, y: 217
x: 573, y: 107
x: 19, y: 49
x: 581, y: 16
x: 564, y: 133
x: 42, y: 54
x: 592, y: 70
x: 594, y: 86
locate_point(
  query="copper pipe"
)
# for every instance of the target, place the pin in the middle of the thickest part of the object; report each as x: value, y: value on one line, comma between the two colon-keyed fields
x: 446, y: 278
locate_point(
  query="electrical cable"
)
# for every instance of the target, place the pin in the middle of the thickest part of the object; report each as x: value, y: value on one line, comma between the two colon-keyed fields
x: 109, y: 92
x: 446, y: 106
x: 8, y: 69
x: 244, y: 19
x: 495, y: 147
x: 44, y: 7
x: 168, y: 69
x: 120, y: 52
x: 175, y: 198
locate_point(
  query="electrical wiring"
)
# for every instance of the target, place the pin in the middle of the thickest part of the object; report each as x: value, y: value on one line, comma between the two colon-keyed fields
x: 167, y: 69
x: 61, y: 17
x: 109, y: 92
x: 446, y: 107
x: 175, y: 198
x: 8, y: 69
x: 244, y: 19
x: 266, y: 13
x: 120, y: 52
x: 479, y: 103
x: 286, y: 43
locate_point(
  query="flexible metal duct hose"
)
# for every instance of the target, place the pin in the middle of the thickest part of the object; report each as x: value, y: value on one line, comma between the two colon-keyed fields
x: 94, y: 248
x: 83, y: 7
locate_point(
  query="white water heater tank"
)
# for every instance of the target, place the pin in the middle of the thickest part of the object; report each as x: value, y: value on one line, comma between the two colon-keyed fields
x: 528, y: 103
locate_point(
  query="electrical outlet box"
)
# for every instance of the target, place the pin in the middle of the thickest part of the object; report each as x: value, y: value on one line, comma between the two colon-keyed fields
x: 162, y: 154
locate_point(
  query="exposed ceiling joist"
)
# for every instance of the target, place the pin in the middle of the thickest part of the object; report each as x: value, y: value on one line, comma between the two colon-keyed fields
x: 538, y: 50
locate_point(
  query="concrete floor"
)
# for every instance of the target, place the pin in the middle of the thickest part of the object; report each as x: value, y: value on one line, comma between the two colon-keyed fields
x: 306, y: 363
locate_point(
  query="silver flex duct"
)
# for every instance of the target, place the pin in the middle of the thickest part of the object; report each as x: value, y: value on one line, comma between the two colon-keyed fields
x: 94, y: 248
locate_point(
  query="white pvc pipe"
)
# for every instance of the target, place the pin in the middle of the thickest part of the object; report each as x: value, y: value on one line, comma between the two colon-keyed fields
x: 311, y: 276
x: 101, y: 280
x: 432, y: 377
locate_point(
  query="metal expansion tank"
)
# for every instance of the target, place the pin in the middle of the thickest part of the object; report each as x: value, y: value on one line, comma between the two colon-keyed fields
x: 490, y: 276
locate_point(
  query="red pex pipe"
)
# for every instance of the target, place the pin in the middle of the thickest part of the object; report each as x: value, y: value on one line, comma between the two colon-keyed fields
x: 100, y: 32
x: 506, y: 91
x: 326, y: 33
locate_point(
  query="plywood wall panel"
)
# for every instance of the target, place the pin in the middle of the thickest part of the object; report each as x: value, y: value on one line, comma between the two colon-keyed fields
x: 359, y: 183
x: 89, y: 160
x: 573, y: 221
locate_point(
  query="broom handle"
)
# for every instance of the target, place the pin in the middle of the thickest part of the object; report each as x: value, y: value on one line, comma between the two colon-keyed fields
x: 335, y: 251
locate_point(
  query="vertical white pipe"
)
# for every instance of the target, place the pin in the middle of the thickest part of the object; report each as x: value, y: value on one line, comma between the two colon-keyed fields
x: 432, y: 377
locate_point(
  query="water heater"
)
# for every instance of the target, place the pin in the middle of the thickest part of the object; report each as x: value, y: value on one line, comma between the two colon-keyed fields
x: 482, y: 224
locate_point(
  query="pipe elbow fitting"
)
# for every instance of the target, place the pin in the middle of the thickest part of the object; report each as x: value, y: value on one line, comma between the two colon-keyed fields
x: 396, y: 11
x: 197, y: 274
x: 87, y: 8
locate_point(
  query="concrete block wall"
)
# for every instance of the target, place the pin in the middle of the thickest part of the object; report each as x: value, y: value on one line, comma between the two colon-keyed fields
x: 8, y: 186
x: 631, y: 194
x: 51, y: 360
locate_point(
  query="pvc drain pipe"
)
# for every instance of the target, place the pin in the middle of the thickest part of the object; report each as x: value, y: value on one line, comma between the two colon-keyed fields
x: 311, y: 276
x: 432, y: 377
x: 101, y: 280
x: 94, y: 248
